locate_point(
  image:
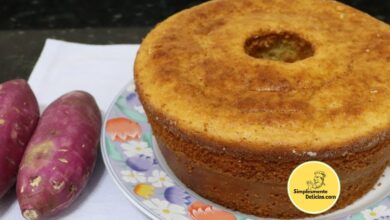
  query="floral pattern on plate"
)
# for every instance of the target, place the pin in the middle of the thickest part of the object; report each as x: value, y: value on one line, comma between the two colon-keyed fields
x: 128, y: 146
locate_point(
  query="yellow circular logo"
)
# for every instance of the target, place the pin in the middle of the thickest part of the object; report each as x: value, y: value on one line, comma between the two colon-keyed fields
x: 313, y: 187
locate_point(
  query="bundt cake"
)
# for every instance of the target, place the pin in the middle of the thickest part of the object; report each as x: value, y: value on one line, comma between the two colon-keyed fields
x: 239, y: 93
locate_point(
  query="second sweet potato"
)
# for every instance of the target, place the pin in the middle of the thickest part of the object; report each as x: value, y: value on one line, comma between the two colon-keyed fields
x: 60, y: 156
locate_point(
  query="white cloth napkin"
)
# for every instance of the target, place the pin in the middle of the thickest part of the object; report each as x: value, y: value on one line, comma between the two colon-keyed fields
x: 102, y: 70
x: 99, y: 70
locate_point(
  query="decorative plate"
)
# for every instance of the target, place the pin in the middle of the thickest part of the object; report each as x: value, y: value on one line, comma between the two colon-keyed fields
x: 134, y: 161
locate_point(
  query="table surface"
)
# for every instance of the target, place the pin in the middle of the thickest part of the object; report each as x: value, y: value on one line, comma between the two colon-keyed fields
x: 24, y: 26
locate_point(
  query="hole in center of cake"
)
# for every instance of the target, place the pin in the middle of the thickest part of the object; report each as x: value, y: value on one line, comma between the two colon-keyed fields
x: 286, y: 47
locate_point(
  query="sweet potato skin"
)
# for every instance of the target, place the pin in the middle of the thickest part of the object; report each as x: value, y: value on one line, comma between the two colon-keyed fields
x: 19, y: 114
x: 60, y: 156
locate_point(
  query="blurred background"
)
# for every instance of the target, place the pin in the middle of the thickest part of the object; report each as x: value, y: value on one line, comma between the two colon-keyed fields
x: 44, y: 14
x: 25, y: 24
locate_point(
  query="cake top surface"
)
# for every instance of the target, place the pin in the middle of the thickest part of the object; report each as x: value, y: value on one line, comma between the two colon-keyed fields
x: 257, y: 74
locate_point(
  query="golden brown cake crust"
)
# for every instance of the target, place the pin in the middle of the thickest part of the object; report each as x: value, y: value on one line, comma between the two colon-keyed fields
x: 193, y: 70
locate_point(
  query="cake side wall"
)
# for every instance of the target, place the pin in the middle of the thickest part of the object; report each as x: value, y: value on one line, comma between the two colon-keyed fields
x: 229, y: 183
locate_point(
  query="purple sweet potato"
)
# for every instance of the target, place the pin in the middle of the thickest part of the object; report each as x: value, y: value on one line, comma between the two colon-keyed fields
x: 60, y: 156
x: 19, y: 114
